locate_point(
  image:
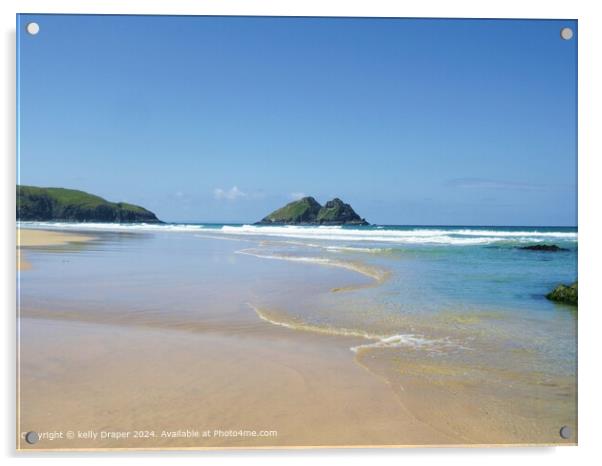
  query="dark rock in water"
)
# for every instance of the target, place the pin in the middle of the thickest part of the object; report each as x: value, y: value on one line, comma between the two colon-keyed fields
x: 70, y: 205
x: 566, y: 294
x: 308, y: 211
x: 543, y: 247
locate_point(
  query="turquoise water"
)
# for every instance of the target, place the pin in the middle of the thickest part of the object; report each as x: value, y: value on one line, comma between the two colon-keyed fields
x: 467, y: 286
x: 433, y: 267
x: 481, y: 268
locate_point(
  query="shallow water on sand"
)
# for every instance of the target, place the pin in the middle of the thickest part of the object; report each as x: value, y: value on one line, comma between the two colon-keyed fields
x: 454, y: 320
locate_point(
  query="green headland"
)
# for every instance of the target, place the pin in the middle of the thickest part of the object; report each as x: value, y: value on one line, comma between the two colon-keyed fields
x: 70, y: 205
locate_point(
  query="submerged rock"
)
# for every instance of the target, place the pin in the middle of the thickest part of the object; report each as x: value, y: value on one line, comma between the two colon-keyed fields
x: 543, y: 247
x: 308, y: 211
x: 566, y: 294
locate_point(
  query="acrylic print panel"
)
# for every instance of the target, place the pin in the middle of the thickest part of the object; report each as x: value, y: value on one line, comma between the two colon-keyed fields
x: 274, y: 232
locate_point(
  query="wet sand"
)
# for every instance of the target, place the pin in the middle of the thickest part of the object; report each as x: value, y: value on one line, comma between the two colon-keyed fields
x: 36, y: 238
x: 153, y: 383
x: 154, y: 378
x: 305, y: 387
x: 22, y: 264
x: 28, y: 238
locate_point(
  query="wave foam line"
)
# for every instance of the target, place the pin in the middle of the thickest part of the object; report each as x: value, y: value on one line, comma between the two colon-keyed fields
x: 339, y: 248
x: 382, y: 341
x: 113, y: 226
x: 372, y: 272
x: 460, y: 236
x: 397, y: 341
x: 415, y: 236
x: 354, y: 249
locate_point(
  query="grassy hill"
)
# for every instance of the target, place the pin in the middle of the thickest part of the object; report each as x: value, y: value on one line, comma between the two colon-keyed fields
x: 70, y: 205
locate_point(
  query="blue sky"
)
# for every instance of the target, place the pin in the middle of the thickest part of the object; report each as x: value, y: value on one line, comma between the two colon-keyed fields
x: 459, y: 122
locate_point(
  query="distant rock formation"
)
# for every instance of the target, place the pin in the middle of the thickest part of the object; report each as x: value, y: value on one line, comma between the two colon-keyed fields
x: 543, y: 247
x: 70, y: 205
x: 566, y: 294
x: 308, y: 211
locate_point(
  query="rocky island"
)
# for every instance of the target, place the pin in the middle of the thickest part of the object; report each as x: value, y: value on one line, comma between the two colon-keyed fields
x: 308, y: 211
x: 70, y: 205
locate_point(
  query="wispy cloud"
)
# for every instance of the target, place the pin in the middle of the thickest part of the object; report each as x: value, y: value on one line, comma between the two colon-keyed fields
x: 231, y: 194
x: 484, y: 183
x: 297, y: 195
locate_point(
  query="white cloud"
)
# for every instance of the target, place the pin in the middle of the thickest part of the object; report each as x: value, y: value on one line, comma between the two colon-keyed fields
x: 296, y: 196
x: 231, y: 194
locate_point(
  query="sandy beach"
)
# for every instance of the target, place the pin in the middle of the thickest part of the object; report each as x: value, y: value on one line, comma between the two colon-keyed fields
x: 38, y: 238
x: 28, y: 238
x: 119, y: 358
x: 301, y: 389
x: 270, y: 380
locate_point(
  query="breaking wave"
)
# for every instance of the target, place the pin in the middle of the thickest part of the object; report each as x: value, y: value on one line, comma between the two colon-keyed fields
x: 166, y: 227
x: 374, y: 234
x: 460, y: 236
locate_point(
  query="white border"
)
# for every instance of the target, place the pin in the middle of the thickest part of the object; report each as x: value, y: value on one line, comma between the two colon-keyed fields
x: 590, y: 195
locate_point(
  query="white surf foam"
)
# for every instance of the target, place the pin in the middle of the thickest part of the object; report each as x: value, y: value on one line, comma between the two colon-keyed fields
x: 338, y: 248
x: 379, y: 341
x: 436, y: 236
x: 414, y: 341
x: 357, y: 249
x: 413, y: 236
x: 167, y: 227
x: 375, y: 273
